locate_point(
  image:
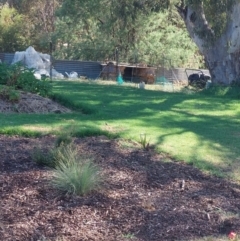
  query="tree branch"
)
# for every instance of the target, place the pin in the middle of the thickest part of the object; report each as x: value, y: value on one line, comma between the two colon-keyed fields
x: 182, y: 10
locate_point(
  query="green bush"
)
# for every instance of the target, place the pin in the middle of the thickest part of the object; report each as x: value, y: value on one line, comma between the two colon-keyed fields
x: 43, y: 157
x: 63, y: 140
x: 4, y: 73
x: 26, y: 81
x: 64, y: 153
x: 22, y: 78
x: 64, y: 137
x: 223, y: 91
x: 52, y: 156
x: 9, y: 93
x: 8, y: 74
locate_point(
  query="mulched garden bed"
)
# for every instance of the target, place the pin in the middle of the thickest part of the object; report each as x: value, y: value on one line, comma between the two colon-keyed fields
x: 144, y: 198
x: 32, y: 103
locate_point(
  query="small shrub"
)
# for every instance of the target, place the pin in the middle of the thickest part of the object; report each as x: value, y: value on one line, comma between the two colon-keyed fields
x: 50, y: 157
x: 63, y: 140
x: 9, y: 74
x: 64, y: 137
x: 64, y: 154
x: 144, y: 141
x: 5, y: 73
x: 26, y: 81
x: 43, y: 157
x: 232, y: 92
x: 22, y: 78
x: 9, y: 94
x: 73, y: 175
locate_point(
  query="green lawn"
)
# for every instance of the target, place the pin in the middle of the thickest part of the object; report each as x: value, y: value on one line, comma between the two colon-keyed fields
x: 200, y: 129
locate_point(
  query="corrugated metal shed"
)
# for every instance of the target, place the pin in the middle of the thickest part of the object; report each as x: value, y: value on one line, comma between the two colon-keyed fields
x: 92, y: 69
x: 2, y: 57
x: 89, y: 69
x: 8, y: 58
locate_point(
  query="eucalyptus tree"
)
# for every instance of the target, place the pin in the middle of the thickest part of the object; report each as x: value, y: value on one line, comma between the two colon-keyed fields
x: 215, y: 28
x: 165, y: 41
x: 39, y: 19
x: 142, y: 31
x: 13, y: 33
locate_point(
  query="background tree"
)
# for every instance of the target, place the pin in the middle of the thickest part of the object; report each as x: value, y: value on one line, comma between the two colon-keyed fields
x: 12, y: 30
x: 39, y: 20
x: 141, y: 30
x: 215, y: 28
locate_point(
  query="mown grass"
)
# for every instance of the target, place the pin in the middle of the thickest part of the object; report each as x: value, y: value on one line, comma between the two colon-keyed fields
x: 200, y: 128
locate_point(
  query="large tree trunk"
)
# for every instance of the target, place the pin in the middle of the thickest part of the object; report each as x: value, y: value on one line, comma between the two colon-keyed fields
x: 222, y: 55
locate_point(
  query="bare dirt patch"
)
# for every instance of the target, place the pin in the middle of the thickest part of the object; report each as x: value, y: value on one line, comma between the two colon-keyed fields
x: 32, y: 103
x: 144, y: 198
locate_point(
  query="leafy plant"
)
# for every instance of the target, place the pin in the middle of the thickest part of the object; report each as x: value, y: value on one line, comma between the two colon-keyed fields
x: 43, y: 157
x: 65, y: 136
x: 9, y: 93
x: 9, y: 73
x: 22, y: 78
x: 63, y: 140
x: 4, y: 73
x: 27, y: 82
x: 50, y: 157
x: 74, y: 175
x: 144, y: 141
x: 64, y: 153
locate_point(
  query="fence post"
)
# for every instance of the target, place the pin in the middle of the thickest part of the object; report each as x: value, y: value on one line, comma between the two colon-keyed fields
x: 51, y: 59
x: 117, y: 53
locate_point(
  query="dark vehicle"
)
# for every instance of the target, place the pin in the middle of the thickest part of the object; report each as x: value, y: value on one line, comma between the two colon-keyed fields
x: 197, y: 79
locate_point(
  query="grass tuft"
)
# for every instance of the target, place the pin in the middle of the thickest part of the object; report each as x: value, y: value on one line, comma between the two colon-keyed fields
x: 71, y: 174
x: 144, y: 141
x: 43, y: 157
x: 64, y: 137
x: 74, y: 175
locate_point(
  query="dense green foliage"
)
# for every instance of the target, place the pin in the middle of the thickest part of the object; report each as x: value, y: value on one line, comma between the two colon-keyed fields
x: 27, y: 82
x: 22, y: 78
x: 9, y: 93
x: 146, y: 34
x: 13, y: 32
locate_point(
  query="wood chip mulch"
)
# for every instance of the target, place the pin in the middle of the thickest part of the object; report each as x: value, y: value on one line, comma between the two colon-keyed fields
x: 144, y: 197
x: 32, y: 103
